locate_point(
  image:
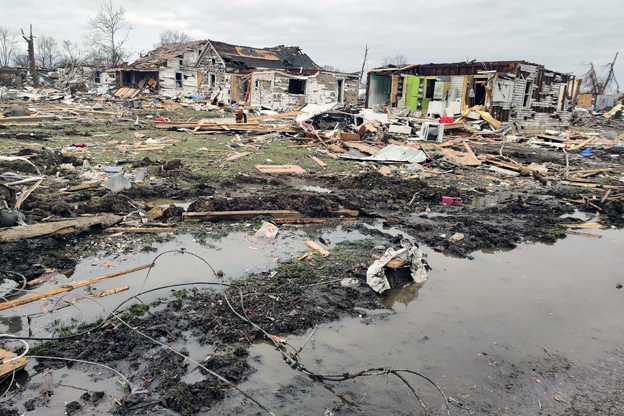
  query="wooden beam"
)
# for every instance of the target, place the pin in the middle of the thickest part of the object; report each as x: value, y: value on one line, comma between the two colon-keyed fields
x: 239, y: 215
x: 71, y: 286
x: 319, y: 161
x: 60, y: 227
x: 318, y: 248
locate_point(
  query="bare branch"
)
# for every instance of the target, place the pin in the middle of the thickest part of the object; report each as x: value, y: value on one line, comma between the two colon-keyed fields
x: 170, y: 36
x: 8, y: 42
x: 396, y: 60
x: 109, y: 33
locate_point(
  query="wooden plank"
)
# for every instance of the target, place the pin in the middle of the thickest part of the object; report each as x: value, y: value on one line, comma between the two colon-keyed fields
x: 280, y: 169
x: 237, y: 156
x: 469, y: 150
x: 48, y: 276
x: 316, y: 247
x: 583, y: 144
x: 93, y: 296
x: 29, y: 118
x: 57, y: 228
x: 239, y: 215
x: 8, y: 368
x: 583, y: 226
x: 504, y: 164
x: 319, y: 161
x: 82, y: 186
x: 398, y: 143
x: 37, y: 296
x: 147, y: 149
x: 584, y: 234
x: 292, y: 113
x: 606, y: 195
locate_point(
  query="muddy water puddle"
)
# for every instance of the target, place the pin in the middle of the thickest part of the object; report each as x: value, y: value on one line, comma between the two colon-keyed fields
x: 515, y: 304
x: 530, y: 302
x: 235, y: 255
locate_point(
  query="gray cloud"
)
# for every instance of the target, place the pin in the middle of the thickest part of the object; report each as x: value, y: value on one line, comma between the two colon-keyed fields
x: 559, y: 34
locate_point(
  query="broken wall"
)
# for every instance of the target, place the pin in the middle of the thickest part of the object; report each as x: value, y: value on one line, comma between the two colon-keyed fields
x: 214, y: 81
x: 281, y: 91
x: 179, y: 75
x: 540, y: 100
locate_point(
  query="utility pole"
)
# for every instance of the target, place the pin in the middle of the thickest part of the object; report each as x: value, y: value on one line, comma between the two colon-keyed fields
x: 608, y: 80
x: 31, y: 57
x: 364, y: 63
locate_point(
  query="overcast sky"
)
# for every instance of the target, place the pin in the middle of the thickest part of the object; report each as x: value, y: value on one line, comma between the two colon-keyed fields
x: 557, y: 33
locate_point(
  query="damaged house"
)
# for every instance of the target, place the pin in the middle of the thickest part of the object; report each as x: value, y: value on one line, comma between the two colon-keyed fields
x: 281, y: 77
x: 516, y: 93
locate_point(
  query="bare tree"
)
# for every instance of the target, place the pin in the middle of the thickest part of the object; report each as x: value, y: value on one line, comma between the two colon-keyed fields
x: 21, y: 60
x: 170, y: 36
x: 395, y: 60
x: 71, y: 54
x: 331, y: 68
x: 8, y: 40
x: 47, y: 51
x: 109, y: 33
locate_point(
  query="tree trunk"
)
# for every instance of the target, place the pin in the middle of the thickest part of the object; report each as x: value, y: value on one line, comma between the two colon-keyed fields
x: 31, y: 57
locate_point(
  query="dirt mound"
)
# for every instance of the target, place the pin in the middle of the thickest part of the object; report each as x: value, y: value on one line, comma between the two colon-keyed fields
x: 313, y: 205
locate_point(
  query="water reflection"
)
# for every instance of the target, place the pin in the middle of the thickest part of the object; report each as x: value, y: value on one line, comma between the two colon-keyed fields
x: 404, y: 295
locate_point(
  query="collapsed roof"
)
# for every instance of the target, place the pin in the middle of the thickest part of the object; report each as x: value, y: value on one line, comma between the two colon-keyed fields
x: 159, y: 56
x: 279, y: 57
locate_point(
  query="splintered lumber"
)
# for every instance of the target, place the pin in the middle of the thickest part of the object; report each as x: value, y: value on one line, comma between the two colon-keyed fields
x: 469, y: 150
x: 605, y: 196
x: 311, y: 220
x: 71, y: 286
x: 319, y: 161
x: 94, y: 296
x: 364, y: 148
x: 583, y: 144
x: 583, y: 226
x: 292, y: 113
x: 396, y: 263
x: 337, y: 149
x: 139, y: 230
x: 60, y: 227
x: 8, y: 368
x: 503, y: 164
x: 318, y: 248
x: 460, y: 159
x: 82, y: 186
x: 324, y: 151
x: 487, y: 117
x: 350, y: 137
x: 237, y: 156
x: 398, y: 143
x: 239, y: 215
x: 280, y: 169
x: 146, y: 149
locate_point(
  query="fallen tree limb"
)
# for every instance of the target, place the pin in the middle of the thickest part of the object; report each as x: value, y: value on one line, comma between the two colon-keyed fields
x: 57, y: 228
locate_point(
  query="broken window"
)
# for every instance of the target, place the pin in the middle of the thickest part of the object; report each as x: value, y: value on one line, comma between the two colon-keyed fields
x: 213, y: 79
x: 527, y: 94
x: 296, y: 86
x: 97, y: 79
x: 213, y: 60
x: 181, y: 62
x: 340, y: 84
x: 178, y: 79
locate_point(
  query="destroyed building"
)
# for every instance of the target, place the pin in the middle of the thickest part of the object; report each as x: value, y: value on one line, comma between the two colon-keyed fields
x: 281, y: 77
x: 516, y: 93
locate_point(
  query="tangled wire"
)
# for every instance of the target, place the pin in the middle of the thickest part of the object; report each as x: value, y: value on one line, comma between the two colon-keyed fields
x: 290, y: 354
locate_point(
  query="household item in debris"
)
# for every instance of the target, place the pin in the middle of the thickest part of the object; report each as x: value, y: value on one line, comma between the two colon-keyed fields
x: 267, y: 230
x: 449, y: 200
x: 432, y: 132
x: 384, y: 273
